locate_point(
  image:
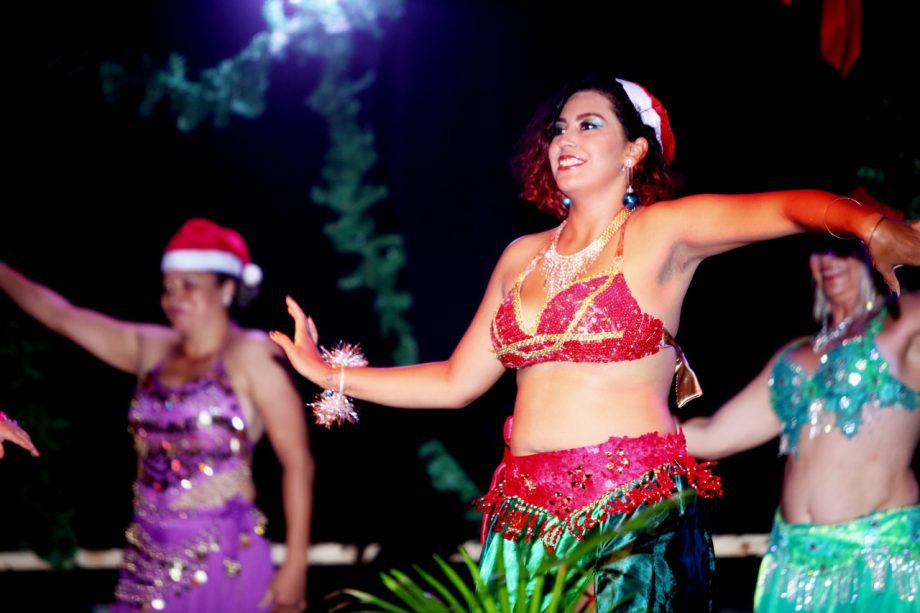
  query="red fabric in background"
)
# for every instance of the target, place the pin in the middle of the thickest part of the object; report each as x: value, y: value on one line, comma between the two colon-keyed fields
x: 841, y: 33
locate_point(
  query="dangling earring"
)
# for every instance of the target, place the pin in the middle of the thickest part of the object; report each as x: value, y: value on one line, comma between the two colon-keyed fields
x: 566, y: 201
x: 630, y: 198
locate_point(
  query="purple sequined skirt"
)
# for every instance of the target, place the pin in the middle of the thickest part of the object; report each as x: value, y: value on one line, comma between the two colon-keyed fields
x: 195, y: 560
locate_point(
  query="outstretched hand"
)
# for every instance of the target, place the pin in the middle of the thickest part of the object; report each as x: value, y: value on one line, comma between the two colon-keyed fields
x: 894, y: 243
x: 303, y: 352
x: 10, y: 431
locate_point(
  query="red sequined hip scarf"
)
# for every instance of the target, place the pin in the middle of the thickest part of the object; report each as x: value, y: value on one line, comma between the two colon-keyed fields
x: 547, y: 494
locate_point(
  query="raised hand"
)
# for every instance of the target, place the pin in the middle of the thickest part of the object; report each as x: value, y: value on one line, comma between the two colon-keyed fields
x: 303, y: 352
x: 891, y: 244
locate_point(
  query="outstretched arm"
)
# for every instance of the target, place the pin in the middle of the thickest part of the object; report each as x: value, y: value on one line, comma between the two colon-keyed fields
x: 706, y: 224
x: 744, y: 422
x: 115, y: 342
x: 471, y: 370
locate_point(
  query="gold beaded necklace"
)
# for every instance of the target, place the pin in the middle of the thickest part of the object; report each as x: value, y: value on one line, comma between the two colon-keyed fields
x: 560, y: 270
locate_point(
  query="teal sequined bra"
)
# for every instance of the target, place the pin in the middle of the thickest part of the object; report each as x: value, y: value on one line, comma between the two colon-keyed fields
x: 852, y: 380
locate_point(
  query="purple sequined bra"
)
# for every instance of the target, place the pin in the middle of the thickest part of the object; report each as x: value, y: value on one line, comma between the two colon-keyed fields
x: 193, y: 513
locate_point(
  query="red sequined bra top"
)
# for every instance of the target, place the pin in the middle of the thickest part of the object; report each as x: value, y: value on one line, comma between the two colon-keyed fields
x: 594, y: 319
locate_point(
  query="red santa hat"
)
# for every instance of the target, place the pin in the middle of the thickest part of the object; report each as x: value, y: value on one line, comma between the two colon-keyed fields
x: 653, y: 115
x: 201, y: 244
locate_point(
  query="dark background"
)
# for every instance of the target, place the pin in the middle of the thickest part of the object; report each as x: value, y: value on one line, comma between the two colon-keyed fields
x: 94, y: 191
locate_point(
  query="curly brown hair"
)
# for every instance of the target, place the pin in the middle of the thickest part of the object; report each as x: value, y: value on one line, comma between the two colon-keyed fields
x: 652, y: 177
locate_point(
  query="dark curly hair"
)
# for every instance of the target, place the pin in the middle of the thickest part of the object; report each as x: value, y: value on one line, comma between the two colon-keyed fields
x: 652, y: 178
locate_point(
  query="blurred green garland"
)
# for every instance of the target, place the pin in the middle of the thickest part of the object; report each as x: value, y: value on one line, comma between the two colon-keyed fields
x: 308, y: 29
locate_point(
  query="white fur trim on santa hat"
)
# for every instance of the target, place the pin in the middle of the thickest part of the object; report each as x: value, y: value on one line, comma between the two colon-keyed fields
x: 202, y: 259
x: 643, y: 103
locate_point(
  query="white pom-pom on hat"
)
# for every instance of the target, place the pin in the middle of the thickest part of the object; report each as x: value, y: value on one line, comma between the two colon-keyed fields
x: 252, y: 274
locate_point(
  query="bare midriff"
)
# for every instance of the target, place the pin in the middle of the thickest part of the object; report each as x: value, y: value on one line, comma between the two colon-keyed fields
x: 563, y: 405
x: 837, y: 479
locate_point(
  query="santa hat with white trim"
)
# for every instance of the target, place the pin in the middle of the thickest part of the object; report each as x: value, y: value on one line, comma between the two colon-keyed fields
x: 653, y: 115
x: 201, y: 244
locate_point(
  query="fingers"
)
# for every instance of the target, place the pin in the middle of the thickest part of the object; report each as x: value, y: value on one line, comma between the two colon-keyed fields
x: 22, y: 439
x: 267, y: 599
x: 289, y: 607
x: 284, y: 341
x: 300, y: 321
x: 12, y: 432
x: 891, y: 280
x: 314, y: 334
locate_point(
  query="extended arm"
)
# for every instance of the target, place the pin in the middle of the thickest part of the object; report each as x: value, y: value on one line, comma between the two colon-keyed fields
x: 704, y: 225
x: 471, y: 369
x: 744, y: 422
x: 114, y: 342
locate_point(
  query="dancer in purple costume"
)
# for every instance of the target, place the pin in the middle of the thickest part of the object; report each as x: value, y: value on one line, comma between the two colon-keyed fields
x: 207, y: 390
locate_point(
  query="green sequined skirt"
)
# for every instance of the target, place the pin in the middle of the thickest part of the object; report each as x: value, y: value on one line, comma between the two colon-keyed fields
x: 869, y: 564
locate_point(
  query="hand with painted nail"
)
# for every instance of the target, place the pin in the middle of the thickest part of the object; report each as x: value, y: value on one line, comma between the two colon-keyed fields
x: 10, y: 431
x: 303, y: 352
x: 891, y: 244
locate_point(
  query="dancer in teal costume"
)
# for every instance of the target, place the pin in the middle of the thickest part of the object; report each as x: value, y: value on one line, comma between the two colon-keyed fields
x: 847, y: 533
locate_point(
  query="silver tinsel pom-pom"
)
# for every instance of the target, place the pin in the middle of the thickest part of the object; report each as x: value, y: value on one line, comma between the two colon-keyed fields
x: 344, y: 354
x: 331, y: 406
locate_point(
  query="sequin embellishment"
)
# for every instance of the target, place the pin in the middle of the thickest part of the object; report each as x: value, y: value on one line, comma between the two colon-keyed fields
x: 596, y: 319
x: 852, y: 382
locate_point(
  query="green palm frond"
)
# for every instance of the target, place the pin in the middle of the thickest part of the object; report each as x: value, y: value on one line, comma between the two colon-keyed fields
x: 454, y: 593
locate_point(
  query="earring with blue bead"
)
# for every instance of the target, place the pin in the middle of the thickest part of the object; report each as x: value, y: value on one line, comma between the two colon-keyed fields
x: 566, y: 201
x: 630, y: 198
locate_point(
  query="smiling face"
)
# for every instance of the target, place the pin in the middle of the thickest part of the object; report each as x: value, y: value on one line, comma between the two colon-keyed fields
x: 838, y: 277
x: 589, y: 146
x: 191, y: 298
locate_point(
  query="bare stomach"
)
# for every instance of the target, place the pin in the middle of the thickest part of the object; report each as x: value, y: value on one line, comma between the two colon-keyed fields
x: 836, y: 479
x: 565, y: 405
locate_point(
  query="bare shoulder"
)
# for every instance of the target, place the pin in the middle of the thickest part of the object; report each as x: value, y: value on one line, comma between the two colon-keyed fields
x: 155, y: 343
x: 521, y: 251
x: 528, y: 244
x: 906, y: 329
x: 249, y: 345
x: 910, y: 308
x: 799, y: 349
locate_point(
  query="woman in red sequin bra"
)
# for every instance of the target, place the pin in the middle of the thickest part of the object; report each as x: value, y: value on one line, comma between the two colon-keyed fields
x: 585, y: 313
